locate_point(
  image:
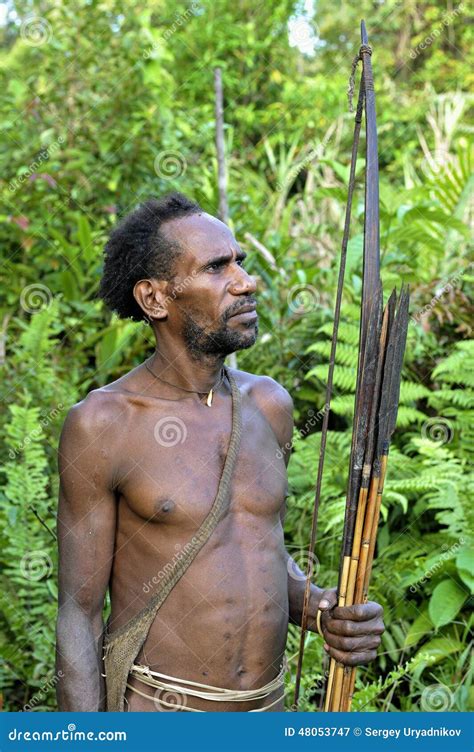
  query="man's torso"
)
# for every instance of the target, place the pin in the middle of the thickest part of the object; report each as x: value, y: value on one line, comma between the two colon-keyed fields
x: 225, y: 623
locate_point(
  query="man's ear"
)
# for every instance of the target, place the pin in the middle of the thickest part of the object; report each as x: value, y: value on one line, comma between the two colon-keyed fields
x: 151, y: 295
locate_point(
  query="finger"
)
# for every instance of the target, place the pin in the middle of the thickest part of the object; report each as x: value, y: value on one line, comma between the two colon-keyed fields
x: 328, y: 599
x: 353, y: 628
x: 352, y: 644
x: 359, y: 612
x: 351, y: 659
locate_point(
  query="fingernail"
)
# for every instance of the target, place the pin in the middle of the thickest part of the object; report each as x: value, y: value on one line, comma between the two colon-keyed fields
x: 326, y: 646
x: 323, y: 604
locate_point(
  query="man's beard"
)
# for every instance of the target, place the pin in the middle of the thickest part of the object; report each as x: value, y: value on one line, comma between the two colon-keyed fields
x: 220, y: 342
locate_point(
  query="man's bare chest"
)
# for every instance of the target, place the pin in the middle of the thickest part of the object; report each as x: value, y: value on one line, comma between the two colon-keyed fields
x: 172, y: 461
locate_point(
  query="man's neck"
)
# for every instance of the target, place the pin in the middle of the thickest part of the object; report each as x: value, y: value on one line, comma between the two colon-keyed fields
x: 185, y: 372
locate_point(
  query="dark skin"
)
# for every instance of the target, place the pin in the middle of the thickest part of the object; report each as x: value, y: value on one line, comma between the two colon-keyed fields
x: 131, y: 495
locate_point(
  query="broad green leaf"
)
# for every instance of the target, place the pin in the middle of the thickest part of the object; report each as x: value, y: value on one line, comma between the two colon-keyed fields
x: 446, y: 601
x: 106, y: 348
x: 464, y: 563
x: 84, y: 236
x: 69, y: 286
x: 436, y: 650
x: 420, y: 627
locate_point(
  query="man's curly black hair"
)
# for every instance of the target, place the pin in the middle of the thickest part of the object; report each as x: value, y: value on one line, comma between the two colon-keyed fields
x: 138, y: 250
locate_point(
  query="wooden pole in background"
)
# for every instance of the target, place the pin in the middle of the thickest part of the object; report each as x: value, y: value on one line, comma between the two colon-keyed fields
x: 220, y: 147
x: 223, y: 211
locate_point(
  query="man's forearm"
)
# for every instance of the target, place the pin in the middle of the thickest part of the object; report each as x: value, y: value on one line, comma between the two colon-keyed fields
x: 79, y: 664
x: 296, y: 588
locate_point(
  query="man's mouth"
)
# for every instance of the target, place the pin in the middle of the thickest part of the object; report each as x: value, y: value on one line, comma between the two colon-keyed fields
x: 249, y: 308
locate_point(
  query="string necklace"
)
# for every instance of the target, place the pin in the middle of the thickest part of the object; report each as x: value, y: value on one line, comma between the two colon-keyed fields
x: 210, y: 394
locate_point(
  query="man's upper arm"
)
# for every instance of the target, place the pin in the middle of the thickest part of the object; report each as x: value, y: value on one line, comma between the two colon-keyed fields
x: 87, y: 505
x: 277, y: 405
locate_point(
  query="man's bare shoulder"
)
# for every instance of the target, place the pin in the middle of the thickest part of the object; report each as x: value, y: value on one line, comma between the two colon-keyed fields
x: 272, y: 399
x: 265, y: 388
x: 101, y: 412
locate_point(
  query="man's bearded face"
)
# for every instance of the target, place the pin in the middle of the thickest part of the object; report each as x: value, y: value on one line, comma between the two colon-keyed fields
x: 217, y: 337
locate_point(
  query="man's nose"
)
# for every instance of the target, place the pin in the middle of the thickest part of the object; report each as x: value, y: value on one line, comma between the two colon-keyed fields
x: 243, y: 283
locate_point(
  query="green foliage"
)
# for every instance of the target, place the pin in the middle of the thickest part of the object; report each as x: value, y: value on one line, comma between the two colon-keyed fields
x: 37, y: 397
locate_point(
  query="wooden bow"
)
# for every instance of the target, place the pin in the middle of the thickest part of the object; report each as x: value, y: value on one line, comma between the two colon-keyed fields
x: 382, y: 339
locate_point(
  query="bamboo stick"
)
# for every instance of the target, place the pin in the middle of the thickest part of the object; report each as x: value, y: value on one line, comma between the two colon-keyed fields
x: 356, y: 545
x: 334, y: 675
x: 363, y: 576
x: 373, y: 537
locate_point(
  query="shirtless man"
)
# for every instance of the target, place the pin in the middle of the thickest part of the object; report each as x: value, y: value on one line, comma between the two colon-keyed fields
x: 140, y: 461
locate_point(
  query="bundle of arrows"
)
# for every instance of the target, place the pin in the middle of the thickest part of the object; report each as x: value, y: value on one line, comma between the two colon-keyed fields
x: 382, y: 340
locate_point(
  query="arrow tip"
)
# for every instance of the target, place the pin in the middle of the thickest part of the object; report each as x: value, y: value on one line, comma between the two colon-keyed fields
x: 363, y: 33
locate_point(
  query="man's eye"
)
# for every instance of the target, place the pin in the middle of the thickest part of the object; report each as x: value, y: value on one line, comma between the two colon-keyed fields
x: 214, y: 267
